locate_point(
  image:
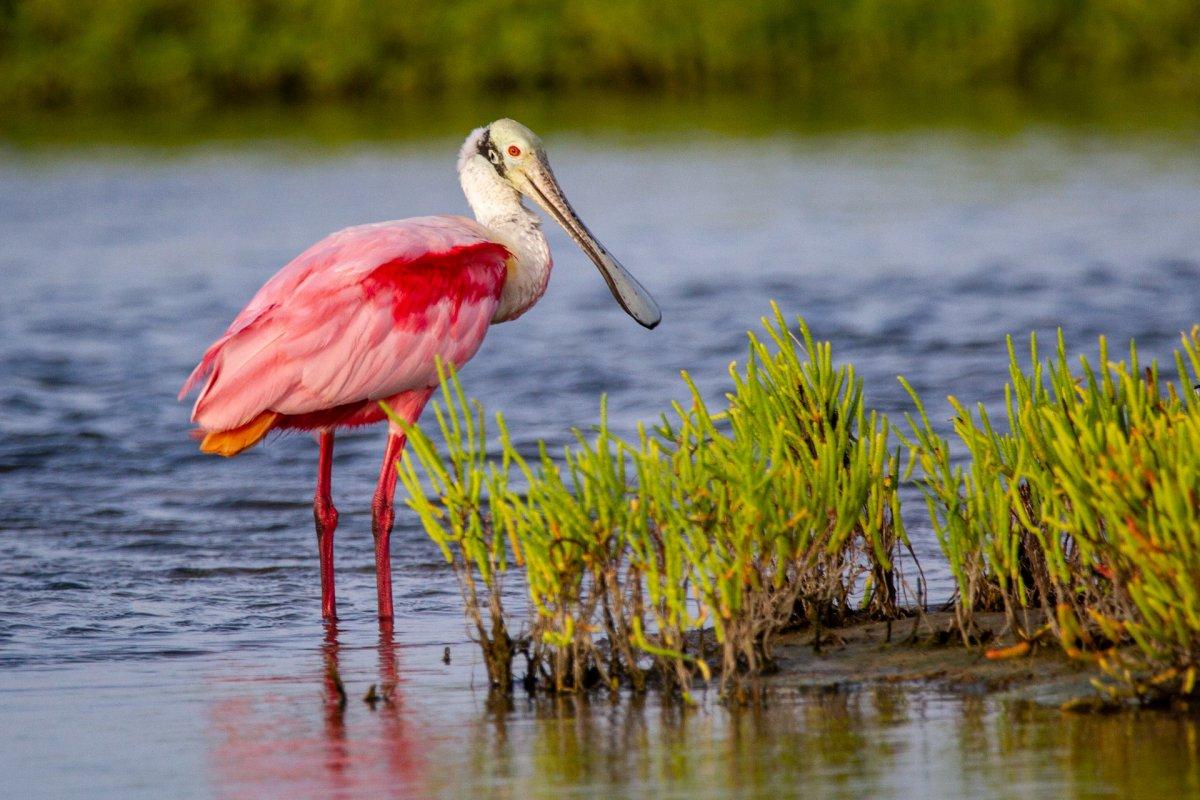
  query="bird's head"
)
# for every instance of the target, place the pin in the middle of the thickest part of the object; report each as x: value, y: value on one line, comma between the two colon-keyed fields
x: 517, y: 157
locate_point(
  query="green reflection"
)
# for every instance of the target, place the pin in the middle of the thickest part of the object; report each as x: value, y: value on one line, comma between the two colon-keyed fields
x: 878, y: 742
x: 610, y: 115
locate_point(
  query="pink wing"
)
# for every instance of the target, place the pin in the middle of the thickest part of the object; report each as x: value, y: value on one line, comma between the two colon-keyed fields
x: 359, y: 316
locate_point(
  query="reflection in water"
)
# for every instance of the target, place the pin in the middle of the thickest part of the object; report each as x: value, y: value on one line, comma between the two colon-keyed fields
x: 277, y: 737
x: 994, y: 110
x: 335, y: 708
x: 877, y: 742
x: 270, y: 745
x: 315, y: 735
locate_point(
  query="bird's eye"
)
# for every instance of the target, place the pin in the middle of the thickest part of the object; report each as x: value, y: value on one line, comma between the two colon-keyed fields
x: 514, y: 151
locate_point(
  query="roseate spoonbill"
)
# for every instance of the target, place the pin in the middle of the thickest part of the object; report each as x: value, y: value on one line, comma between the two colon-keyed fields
x: 362, y: 316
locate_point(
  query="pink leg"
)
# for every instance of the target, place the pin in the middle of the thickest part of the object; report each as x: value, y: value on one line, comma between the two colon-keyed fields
x: 382, y: 517
x: 407, y: 406
x: 327, y: 518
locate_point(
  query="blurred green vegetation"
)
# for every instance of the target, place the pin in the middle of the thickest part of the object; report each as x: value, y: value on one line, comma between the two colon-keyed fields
x: 183, y: 54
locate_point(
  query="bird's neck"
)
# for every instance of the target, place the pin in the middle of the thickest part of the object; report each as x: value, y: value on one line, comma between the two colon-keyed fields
x: 498, y: 207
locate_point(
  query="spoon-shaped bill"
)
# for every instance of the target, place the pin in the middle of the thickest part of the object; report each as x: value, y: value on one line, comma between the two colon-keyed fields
x: 542, y: 187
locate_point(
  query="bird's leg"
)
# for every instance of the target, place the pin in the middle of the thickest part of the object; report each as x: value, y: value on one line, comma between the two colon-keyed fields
x: 382, y: 517
x: 326, y: 517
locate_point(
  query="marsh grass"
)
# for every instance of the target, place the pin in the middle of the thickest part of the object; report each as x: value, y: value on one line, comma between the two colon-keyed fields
x: 1082, y: 519
x: 689, y: 548
x: 695, y: 544
x: 784, y: 502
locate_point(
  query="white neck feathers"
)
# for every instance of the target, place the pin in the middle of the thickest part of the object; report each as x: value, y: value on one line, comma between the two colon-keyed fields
x: 498, y: 207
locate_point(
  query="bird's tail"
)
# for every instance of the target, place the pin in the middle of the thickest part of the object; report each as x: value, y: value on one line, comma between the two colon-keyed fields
x: 235, y: 440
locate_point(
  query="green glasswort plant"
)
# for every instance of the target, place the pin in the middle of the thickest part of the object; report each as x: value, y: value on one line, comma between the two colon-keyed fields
x: 780, y: 509
x: 784, y: 503
x: 1082, y: 519
x: 694, y: 544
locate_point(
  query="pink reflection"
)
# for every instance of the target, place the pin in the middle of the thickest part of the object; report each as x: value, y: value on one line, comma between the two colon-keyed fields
x: 274, y: 739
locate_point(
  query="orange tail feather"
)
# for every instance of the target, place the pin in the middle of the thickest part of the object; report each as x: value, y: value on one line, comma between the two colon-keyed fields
x: 233, y: 441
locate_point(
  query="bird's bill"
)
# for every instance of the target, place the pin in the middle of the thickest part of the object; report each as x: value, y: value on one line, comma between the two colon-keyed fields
x: 540, y: 185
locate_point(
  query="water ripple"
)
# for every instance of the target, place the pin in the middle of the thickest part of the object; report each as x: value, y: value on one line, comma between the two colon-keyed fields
x: 121, y: 541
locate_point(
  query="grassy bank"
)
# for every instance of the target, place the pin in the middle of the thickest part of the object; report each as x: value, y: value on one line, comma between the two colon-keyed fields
x: 647, y: 562
x: 175, y: 54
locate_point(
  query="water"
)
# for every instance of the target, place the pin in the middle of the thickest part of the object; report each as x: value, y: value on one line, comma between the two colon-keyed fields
x: 159, y: 634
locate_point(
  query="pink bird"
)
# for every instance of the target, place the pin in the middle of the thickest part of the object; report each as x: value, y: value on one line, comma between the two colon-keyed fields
x: 362, y: 316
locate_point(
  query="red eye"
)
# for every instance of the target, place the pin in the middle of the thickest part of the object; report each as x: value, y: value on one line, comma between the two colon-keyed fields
x: 514, y: 151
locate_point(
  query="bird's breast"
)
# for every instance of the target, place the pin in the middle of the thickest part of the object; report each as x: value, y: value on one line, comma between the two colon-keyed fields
x: 527, y: 271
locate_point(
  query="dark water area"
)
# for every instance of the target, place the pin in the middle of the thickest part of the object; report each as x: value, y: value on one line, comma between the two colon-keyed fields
x: 160, y: 634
